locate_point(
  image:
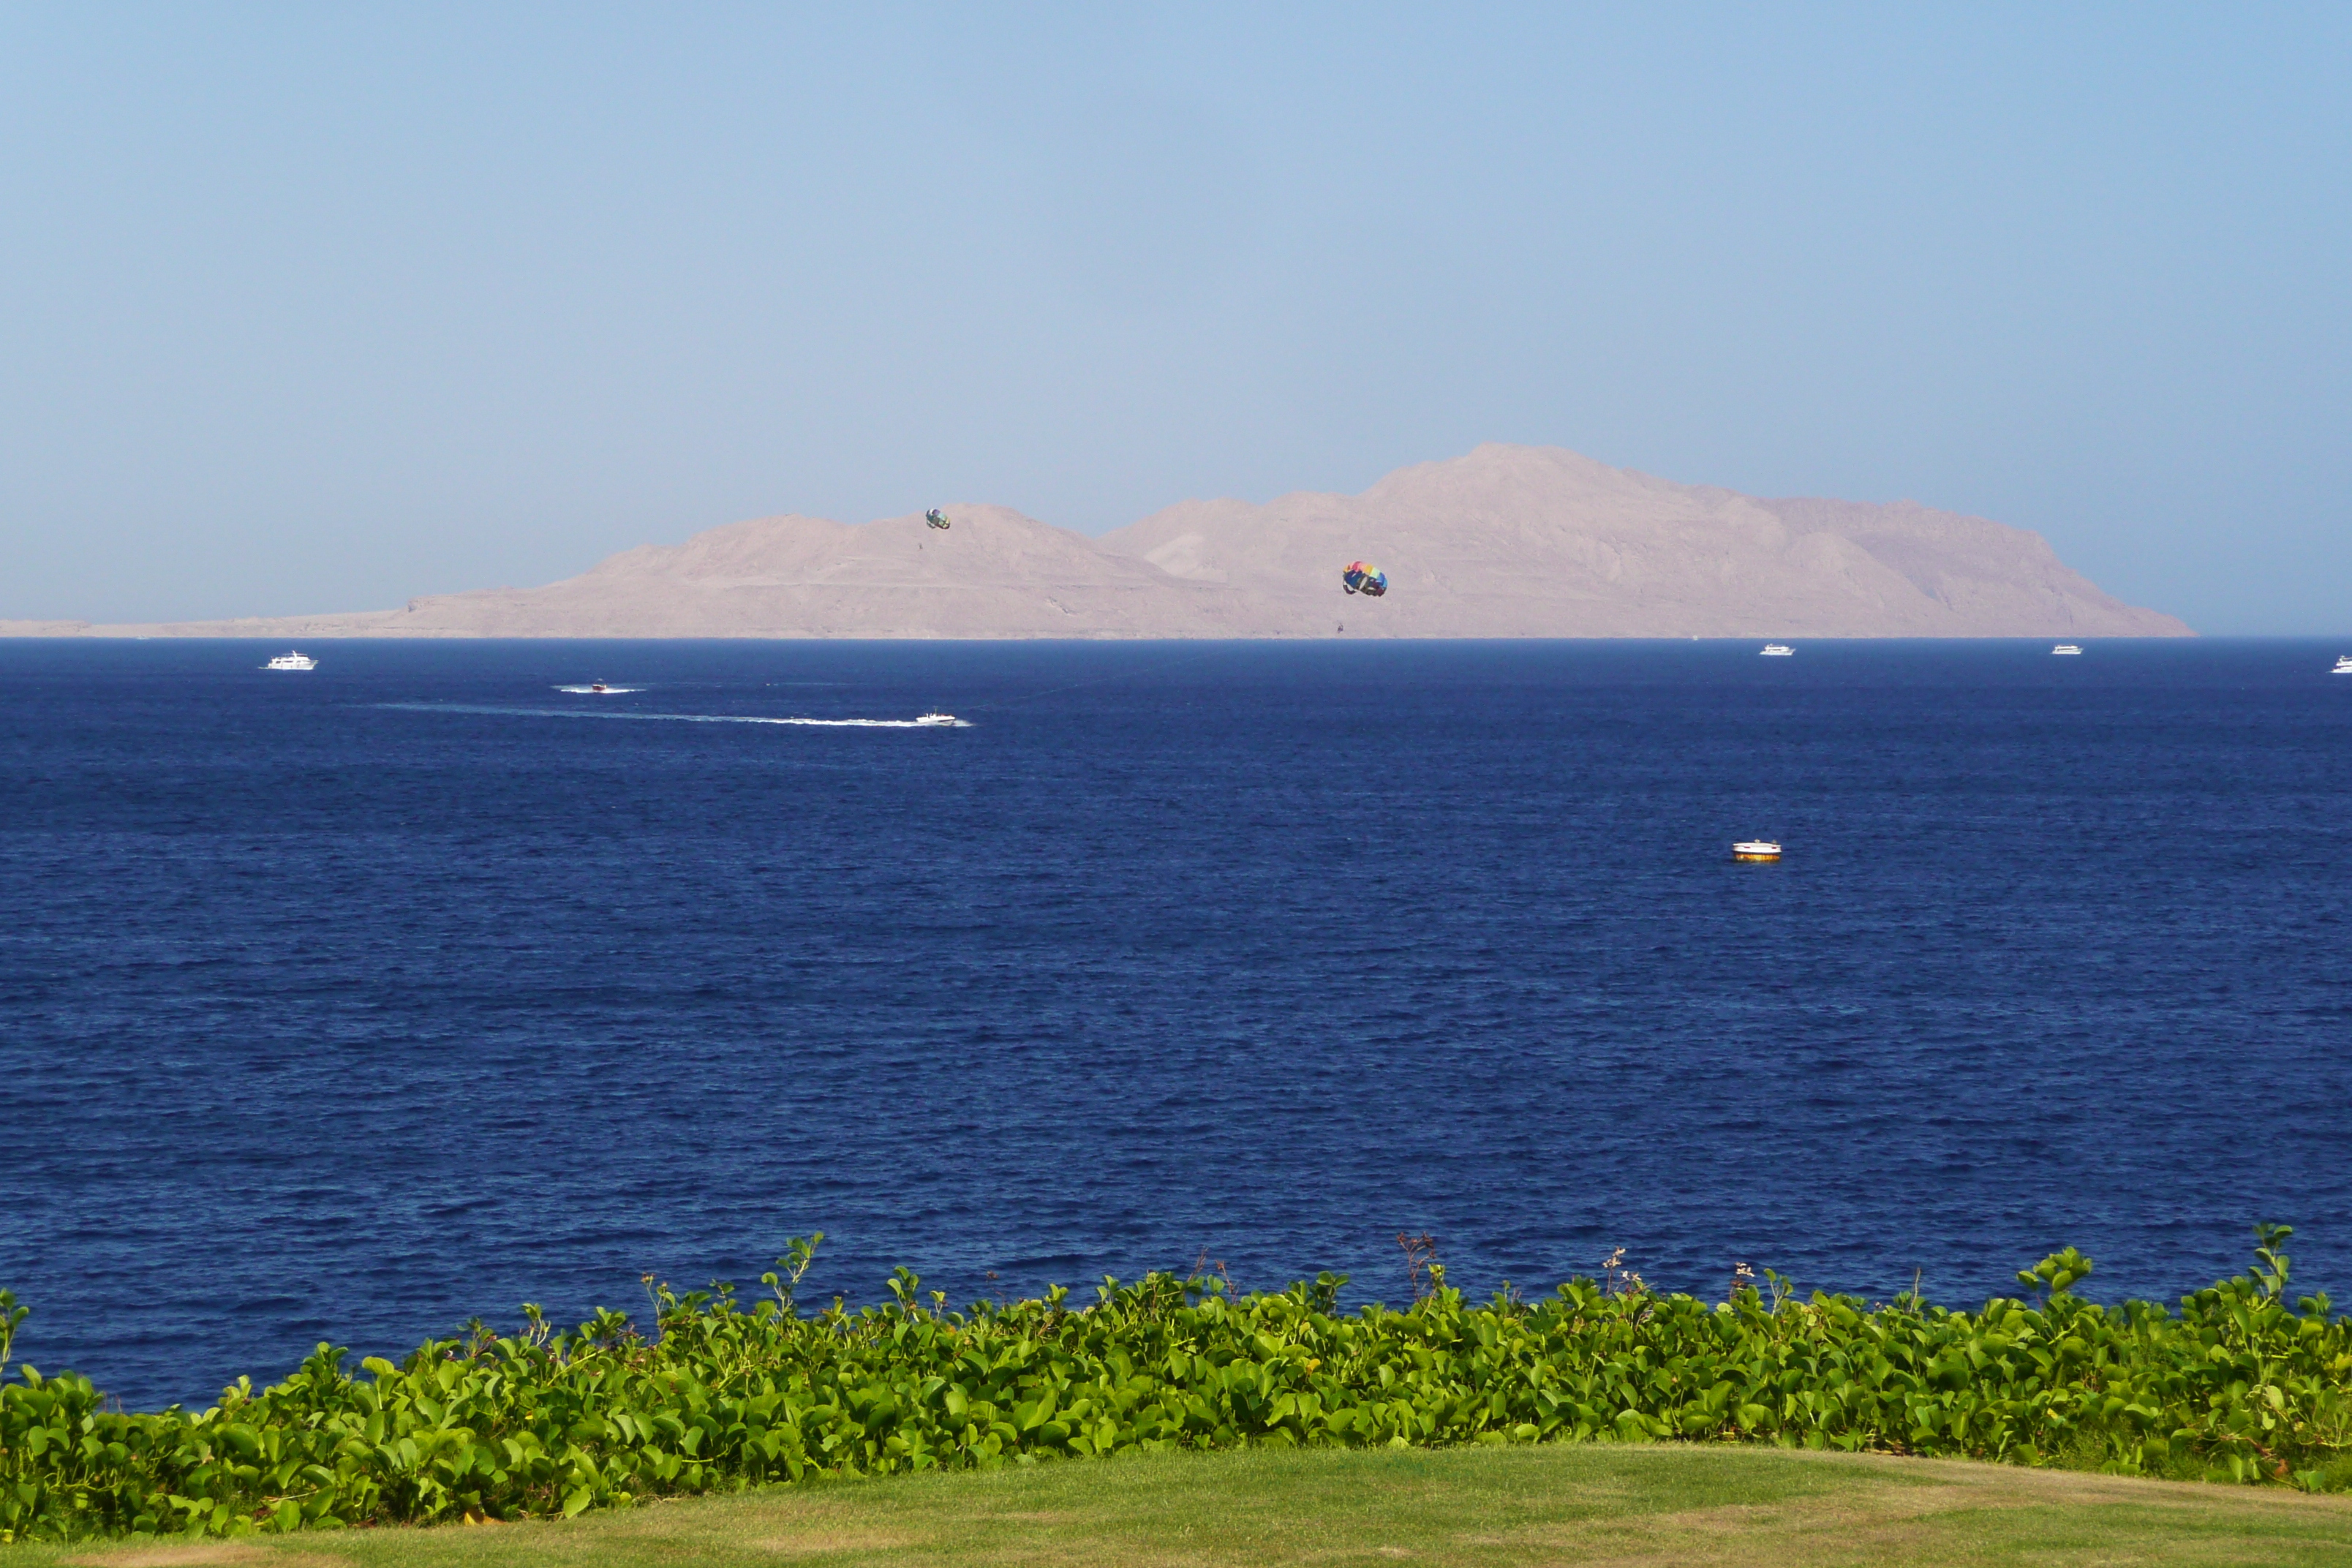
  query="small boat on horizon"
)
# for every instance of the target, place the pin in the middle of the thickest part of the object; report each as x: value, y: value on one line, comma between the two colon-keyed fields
x: 292, y: 661
x: 2065, y: 647
x: 935, y: 718
x: 1756, y: 849
x: 1778, y: 650
x: 2343, y: 665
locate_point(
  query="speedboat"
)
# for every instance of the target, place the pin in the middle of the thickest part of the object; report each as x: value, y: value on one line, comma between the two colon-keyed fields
x: 292, y: 661
x: 1778, y: 650
x: 598, y: 686
x: 935, y: 718
x: 2343, y: 665
x: 1756, y: 849
x: 2065, y: 647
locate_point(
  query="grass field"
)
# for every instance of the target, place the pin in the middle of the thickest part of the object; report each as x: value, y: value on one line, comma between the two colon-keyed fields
x: 1556, y: 1504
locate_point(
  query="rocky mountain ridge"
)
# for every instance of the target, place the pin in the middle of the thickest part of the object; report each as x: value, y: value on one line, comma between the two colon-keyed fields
x: 1504, y: 541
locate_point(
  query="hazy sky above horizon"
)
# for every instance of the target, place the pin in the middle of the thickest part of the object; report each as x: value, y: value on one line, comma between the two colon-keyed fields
x: 312, y: 311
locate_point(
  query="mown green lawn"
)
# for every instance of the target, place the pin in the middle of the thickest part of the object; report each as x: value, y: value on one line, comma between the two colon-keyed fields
x: 1556, y: 1504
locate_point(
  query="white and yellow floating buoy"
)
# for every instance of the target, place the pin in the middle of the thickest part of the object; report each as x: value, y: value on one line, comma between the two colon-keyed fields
x: 1756, y: 849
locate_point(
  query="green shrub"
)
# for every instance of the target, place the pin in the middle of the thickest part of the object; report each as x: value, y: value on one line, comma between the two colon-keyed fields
x: 2236, y: 1386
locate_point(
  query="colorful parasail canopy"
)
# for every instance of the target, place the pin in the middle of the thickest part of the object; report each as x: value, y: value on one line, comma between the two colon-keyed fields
x: 1363, y: 577
x: 936, y: 517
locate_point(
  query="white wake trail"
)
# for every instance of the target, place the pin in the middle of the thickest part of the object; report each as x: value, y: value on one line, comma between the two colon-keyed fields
x: 673, y: 718
x: 824, y: 724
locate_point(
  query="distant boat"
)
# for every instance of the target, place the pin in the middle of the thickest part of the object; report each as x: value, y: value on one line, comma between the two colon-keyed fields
x: 598, y: 686
x: 2065, y: 647
x: 292, y: 661
x: 1778, y: 650
x: 2343, y: 665
x: 1756, y: 849
x: 935, y: 718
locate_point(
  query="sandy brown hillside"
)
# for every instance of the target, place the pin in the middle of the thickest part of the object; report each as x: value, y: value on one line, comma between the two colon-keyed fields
x: 1506, y: 541
x: 992, y: 574
x: 1536, y: 541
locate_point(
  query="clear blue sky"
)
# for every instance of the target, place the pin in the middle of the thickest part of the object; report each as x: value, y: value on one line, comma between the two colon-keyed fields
x: 320, y: 306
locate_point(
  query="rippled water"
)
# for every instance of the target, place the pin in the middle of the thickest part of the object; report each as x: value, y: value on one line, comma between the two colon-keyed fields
x: 354, y: 1004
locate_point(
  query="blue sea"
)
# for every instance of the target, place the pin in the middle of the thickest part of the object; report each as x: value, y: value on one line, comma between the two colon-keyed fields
x: 353, y: 1005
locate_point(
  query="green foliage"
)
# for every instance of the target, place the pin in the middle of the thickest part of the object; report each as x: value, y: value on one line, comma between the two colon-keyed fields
x: 785, y: 1278
x: 2055, y: 1275
x: 11, y: 1316
x: 2236, y: 1386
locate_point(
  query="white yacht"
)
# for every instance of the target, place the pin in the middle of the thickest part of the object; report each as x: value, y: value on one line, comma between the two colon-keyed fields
x: 935, y: 718
x: 1778, y: 650
x: 2065, y: 647
x: 292, y: 661
x: 1756, y: 849
x: 2343, y: 665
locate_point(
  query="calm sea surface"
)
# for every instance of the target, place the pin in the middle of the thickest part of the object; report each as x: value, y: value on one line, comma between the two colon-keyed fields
x: 351, y: 1004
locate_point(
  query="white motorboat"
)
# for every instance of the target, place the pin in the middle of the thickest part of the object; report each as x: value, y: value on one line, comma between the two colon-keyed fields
x: 1778, y: 650
x: 935, y: 718
x: 292, y: 661
x: 1756, y: 849
x: 2065, y: 647
x: 2343, y: 665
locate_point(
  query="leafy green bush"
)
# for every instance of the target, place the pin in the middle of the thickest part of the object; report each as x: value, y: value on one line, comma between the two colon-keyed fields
x: 2236, y: 1386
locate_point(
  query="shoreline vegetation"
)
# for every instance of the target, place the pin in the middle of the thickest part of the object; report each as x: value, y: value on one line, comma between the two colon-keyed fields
x: 2240, y: 1385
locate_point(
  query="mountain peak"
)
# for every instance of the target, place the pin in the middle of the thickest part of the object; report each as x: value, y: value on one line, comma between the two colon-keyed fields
x: 1502, y: 541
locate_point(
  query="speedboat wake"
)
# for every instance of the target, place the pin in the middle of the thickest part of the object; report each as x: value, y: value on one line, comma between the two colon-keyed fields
x: 927, y: 722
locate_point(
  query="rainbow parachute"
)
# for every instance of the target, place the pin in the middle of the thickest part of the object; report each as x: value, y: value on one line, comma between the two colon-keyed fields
x: 1363, y: 577
x: 936, y: 517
